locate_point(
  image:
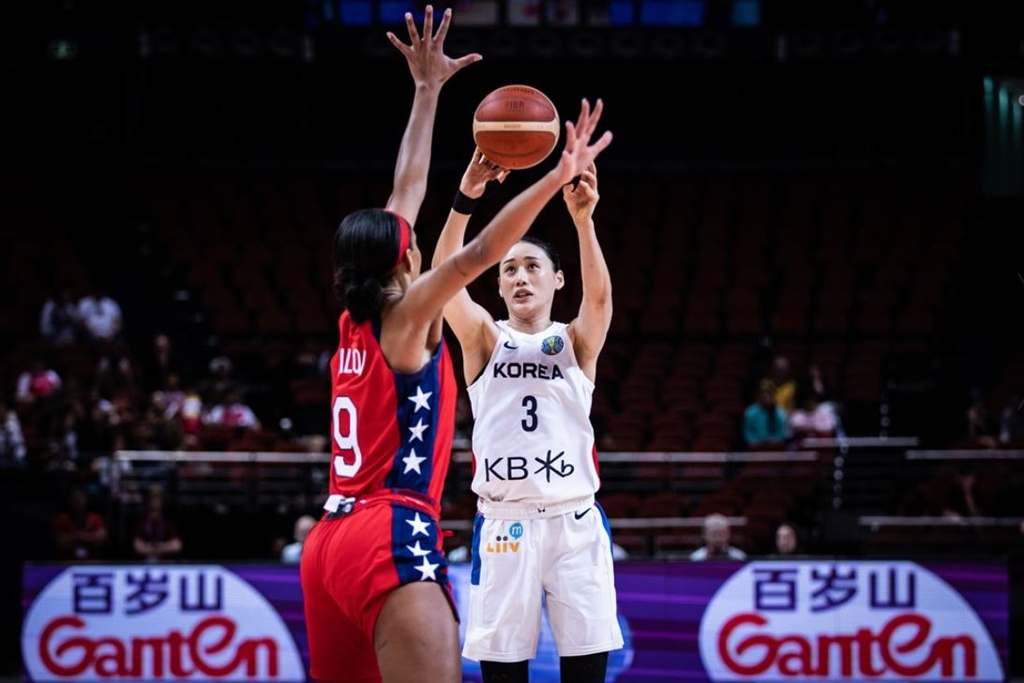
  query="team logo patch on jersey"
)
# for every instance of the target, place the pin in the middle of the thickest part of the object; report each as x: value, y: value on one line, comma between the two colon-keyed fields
x: 552, y: 345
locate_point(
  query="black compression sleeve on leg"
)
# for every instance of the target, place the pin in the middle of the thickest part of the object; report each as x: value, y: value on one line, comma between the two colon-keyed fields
x: 584, y: 669
x: 505, y: 672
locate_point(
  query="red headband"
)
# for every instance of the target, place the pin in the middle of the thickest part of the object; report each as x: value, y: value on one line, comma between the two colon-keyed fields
x: 404, y: 237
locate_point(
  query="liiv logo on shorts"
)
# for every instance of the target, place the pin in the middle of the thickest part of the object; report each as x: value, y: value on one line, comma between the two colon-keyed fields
x: 502, y: 544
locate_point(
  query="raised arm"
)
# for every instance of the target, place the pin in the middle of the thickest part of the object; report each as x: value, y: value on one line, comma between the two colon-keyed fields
x: 428, y: 294
x: 590, y: 328
x: 430, y: 69
x: 472, y: 324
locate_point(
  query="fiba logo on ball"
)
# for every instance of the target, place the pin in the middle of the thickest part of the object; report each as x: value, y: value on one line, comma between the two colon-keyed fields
x: 552, y: 345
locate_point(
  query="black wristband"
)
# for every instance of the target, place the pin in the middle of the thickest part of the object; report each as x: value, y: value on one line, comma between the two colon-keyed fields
x: 464, y: 204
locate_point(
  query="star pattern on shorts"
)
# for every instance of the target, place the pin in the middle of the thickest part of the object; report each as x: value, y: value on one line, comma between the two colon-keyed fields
x: 427, y: 570
x: 417, y: 551
x: 418, y: 525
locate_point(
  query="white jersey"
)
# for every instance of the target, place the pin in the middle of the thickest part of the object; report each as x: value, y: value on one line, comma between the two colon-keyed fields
x: 533, y: 443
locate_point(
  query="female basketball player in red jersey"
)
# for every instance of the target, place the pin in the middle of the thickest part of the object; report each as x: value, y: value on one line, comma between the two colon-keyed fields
x: 530, y: 382
x: 375, y: 587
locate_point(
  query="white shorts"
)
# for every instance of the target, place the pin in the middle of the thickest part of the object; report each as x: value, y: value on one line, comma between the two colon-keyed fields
x: 561, y: 564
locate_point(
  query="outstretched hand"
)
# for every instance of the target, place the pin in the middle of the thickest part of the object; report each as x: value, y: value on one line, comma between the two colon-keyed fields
x: 480, y: 171
x: 582, y: 199
x: 428, y: 63
x: 579, y: 152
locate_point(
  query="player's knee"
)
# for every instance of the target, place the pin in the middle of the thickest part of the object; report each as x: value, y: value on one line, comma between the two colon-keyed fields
x: 585, y: 668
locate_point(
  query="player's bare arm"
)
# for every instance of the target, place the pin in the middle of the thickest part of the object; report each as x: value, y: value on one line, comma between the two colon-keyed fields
x: 472, y: 324
x: 590, y: 328
x: 430, y: 68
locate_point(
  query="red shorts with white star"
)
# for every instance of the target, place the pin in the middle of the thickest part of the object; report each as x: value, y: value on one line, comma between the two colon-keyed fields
x: 350, y: 564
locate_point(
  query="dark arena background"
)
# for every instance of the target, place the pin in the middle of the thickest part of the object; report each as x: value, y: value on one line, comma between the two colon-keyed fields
x: 820, y: 194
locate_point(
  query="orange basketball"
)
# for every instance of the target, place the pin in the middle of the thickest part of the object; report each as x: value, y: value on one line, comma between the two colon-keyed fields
x: 516, y: 126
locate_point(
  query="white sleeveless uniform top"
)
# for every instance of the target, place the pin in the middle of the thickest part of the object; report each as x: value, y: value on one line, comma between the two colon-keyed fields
x: 533, y: 443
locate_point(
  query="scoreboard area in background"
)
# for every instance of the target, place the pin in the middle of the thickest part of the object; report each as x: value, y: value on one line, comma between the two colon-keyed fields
x: 554, y: 13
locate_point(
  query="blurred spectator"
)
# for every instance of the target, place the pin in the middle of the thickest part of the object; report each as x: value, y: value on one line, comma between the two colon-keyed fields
x: 812, y: 416
x: 79, y: 534
x: 1011, y: 422
x: 101, y: 316
x: 155, y: 536
x: 764, y: 422
x: 154, y: 430
x: 781, y: 376
x: 981, y: 428
x: 218, y: 381
x: 160, y: 363
x: 117, y: 380
x: 233, y: 412
x: 173, y: 396
x: 291, y: 553
x: 37, y: 397
x: 191, y: 417
x: 59, y: 322
x: 38, y: 383
x: 12, y: 441
x: 958, y: 491
x: 786, y: 542
x: 716, y: 541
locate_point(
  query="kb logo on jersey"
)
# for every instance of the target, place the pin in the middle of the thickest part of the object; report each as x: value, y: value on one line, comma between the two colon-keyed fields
x: 552, y: 345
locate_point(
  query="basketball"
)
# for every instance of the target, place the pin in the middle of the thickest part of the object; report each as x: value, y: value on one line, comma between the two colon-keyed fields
x: 516, y: 126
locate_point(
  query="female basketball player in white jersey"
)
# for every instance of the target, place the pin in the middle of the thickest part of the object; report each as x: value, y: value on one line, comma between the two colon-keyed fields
x: 539, y: 536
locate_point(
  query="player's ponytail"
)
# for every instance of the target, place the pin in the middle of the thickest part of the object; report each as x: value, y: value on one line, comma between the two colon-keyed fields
x: 367, y: 246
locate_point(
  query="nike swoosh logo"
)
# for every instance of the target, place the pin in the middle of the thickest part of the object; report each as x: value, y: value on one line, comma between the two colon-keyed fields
x: 579, y: 515
x: 512, y: 348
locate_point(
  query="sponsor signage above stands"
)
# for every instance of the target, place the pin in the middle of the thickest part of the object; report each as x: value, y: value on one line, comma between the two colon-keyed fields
x: 777, y: 620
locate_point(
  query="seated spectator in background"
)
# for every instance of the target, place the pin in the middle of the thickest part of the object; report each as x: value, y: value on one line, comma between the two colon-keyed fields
x: 957, y: 491
x: 218, y: 381
x: 38, y: 383
x: 716, y: 541
x: 292, y: 552
x: 232, y: 412
x: 155, y: 536
x: 764, y: 422
x: 1011, y: 422
x: 813, y: 417
x: 786, y: 542
x: 38, y: 397
x: 78, y: 533
x: 981, y: 428
x: 781, y: 375
x: 12, y: 441
x: 101, y: 316
x: 153, y: 430
x: 190, y: 415
x: 59, y: 322
x: 160, y: 364
x: 117, y: 380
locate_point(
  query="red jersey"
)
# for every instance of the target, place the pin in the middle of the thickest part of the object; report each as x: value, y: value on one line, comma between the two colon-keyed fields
x: 389, y: 430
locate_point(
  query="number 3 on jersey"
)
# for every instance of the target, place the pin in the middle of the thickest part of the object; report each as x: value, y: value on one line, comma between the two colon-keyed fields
x: 345, y: 437
x: 530, y: 421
